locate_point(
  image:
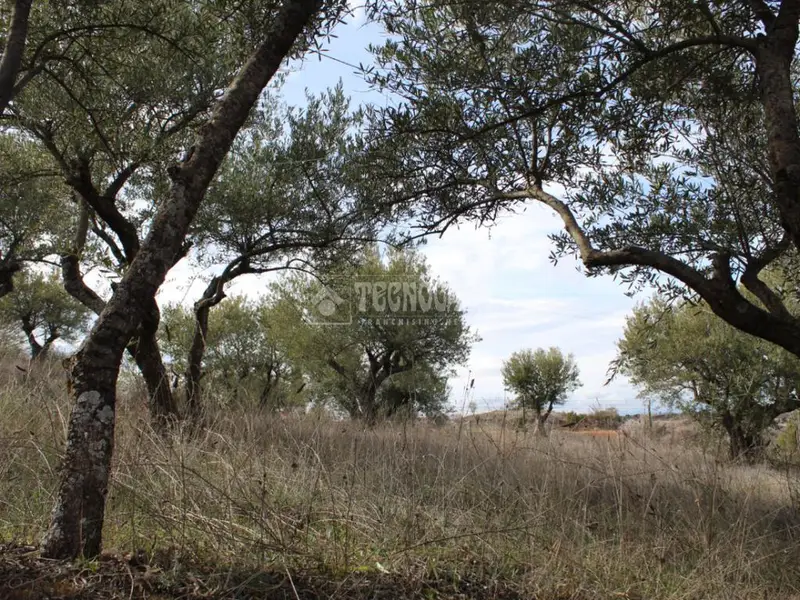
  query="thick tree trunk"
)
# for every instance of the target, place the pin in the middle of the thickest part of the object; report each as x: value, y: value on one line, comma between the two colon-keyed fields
x: 370, y: 411
x: 77, y: 519
x: 773, y: 67
x: 13, y: 51
x: 144, y: 351
x: 742, y: 444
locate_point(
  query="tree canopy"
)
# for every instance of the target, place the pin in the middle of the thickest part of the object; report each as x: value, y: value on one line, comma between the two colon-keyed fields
x: 663, y: 134
x: 541, y: 379
x: 244, y: 363
x: 42, y: 312
x: 687, y: 358
x: 374, y: 352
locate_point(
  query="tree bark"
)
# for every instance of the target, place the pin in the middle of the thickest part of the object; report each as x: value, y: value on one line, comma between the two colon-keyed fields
x: 773, y: 60
x: 742, y: 444
x: 9, y: 266
x: 540, y: 429
x: 197, y: 351
x: 13, y: 51
x: 77, y: 518
x: 212, y: 295
x: 144, y: 351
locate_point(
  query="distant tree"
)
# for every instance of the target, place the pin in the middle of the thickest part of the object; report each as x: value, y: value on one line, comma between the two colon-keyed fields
x: 243, y: 361
x: 541, y: 380
x: 41, y: 309
x: 377, y: 361
x: 687, y: 358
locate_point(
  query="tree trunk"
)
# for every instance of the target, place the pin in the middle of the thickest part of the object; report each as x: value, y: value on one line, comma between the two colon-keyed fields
x: 742, y: 444
x: 9, y: 266
x: 13, y: 51
x: 196, y: 353
x: 539, y: 428
x: 77, y: 519
x: 773, y: 67
x: 161, y: 402
x: 144, y: 351
x: 33, y: 343
x: 370, y: 411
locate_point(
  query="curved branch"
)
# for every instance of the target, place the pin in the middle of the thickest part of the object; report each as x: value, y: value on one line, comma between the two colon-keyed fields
x: 719, y: 291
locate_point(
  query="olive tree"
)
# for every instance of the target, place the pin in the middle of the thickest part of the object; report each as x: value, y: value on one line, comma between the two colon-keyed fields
x: 686, y: 357
x: 376, y: 336
x: 541, y: 379
x: 119, y: 105
x: 282, y: 30
x: 244, y: 363
x: 663, y: 134
x: 282, y: 200
x: 43, y: 312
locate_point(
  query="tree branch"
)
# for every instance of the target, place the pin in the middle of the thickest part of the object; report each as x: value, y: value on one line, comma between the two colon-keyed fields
x: 762, y: 12
x: 719, y: 291
x: 711, y: 40
x: 758, y: 288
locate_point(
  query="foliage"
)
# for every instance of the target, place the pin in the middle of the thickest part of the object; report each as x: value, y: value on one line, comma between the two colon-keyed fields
x: 687, y: 358
x: 243, y: 361
x: 42, y: 312
x: 660, y: 133
x: 374, y: 362
x: 284, y: 193
x: 33, y: 211
x: 541, y: 379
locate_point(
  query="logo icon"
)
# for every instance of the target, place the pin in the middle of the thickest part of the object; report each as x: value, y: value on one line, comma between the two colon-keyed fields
x: 330, y: 308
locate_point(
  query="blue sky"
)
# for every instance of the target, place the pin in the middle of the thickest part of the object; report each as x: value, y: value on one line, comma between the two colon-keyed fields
x: 515, y: 298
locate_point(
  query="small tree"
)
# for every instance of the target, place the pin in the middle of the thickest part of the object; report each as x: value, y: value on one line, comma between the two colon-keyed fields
x: 41, y: 310
x: 541, y: 379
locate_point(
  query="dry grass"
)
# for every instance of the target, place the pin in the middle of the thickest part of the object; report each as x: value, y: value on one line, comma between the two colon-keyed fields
x: 572, y: 516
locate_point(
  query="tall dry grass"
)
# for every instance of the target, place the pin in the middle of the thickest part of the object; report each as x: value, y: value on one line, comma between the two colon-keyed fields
x: 571, y: 515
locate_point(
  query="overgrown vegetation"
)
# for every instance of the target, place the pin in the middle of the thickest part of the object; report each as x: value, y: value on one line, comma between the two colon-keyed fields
x: 468, y: 508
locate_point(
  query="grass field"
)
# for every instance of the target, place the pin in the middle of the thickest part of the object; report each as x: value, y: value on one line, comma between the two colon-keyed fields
x: 308, y: 507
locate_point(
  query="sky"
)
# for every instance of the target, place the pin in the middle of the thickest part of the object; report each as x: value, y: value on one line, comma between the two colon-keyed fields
x: 514, y: 296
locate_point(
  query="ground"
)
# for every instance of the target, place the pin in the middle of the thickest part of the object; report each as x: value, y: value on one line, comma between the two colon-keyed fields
x: 25, y: 576
x: 255, y: 505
